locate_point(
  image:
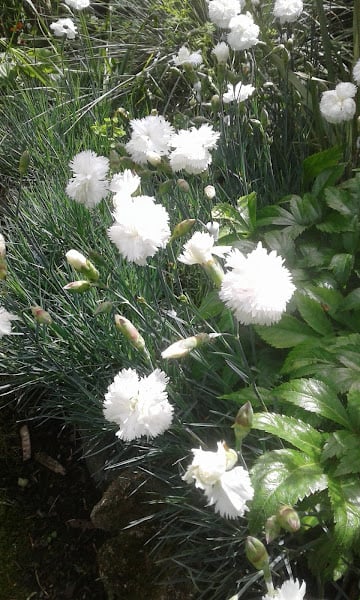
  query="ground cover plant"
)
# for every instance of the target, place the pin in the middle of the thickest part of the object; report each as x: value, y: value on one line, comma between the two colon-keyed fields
x: 179, y: 272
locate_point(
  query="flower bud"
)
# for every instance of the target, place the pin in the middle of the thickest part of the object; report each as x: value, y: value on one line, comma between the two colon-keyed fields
x: 24, y: 162
x: 81, y: 264
x: 130, y: 332
x: 184, y: 346
x: 288, y: 519
x: 2, y: 246
x: 77, y: 286
x: 215, y: 102
x: 183, y: 185
x: 272, y: 529
x: 41, y: 315
x: 210, y: 192
x: 182, y: 228
x: 256, y: 553
x: 153, y: 158
x: 213, y: 228
x: 243, y: 423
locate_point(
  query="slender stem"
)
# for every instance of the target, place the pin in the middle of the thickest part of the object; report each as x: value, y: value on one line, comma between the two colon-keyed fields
x: 325, y: 39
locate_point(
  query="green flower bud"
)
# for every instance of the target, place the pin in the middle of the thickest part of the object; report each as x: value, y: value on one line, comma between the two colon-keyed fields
x: 288, y: 519
x: 182, y: 228
x: 272, y: 529
x: 24, y: 162
x: 77, y: 287
x: 41, y: 315
x: 130, y: 332
x: 81, y: 264
x: 256, y: 553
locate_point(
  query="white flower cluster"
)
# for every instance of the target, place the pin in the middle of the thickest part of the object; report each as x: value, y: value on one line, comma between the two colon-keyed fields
x: 139, y: 405
x: 258, y: 287
x: 200, y: 248
x: 65, y: 27
x: 78, y: 4
x: 153, y: 138
x: 226, y: 14
x: 238, y: 93
x: 185, y: 57
x: 89, y: 184
x: 5, y: 321
x: 338, y: 105
x: 226, y: 487
x: 288, y: 11
x: 290, y: 590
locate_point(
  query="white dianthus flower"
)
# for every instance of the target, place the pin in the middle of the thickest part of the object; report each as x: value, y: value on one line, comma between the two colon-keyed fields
x: 78, y: 4
x: 191, y: 149
x: 124, y: 185
x: 356, y: 72
x: 238, y: 92
x: 258, y: 287
x: 139, y: 405
x: 149, y: 138
x: 88, y: 184
x: 226, y: 487
x: 200, y: 248
x: 141, y: 227
x: 338, y: 105
x: 64, y: 27
x: 288, y: 11
x: 222, y: 11
x: 5, y: 321
x: 222, y: 52
x: 290, y: 590
x: 244, y: 33
x: 185, y: 57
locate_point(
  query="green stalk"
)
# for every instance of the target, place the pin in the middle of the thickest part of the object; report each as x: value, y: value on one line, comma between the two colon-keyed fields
x: 326, y: 39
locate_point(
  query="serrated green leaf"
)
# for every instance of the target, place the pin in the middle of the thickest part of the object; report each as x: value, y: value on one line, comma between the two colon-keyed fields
x: 313, y: 314
x: 342, y: 266
x: 316, y: 163
x: 296, y: 432
x: 287, y: 333
x: 337, y: 223
x: 353, y: 407
x: 315, y: 396
x: 327, y: 178
x: 339, y: 200
x: 275, y: 215
x: 306, y: 210
x: 352, y: 301
x: 345, y: 445
x: 282, y: 477
x: 345, y: 501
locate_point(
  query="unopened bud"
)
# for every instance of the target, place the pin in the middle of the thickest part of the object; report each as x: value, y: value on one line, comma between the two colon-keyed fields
x: 153, y: 158
x: 289, y: 519
x: 213, y: 228
x: 215, y: 102
x: 183, y: 185
x: 24, y: 162
x: 272, y: 528
x: 81, y: 264
x: 243, y: 423
x: 210, y: 192
x: 2, y: 246
x: 256, y: 553
x: 77, y: 287
x: 130, y: 332
x: 182, y: 228
x: 41, y: 315
x: 184, y: 346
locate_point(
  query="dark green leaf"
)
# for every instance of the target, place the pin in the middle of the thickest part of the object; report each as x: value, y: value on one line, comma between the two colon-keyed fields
x: 296, y: 432
x: 345, y: 446
x: 282, y: 477
x: 339, y: 200
x: 315, y: 396
x: 342, y: 265
x: 287, y: 333
x: 327, y: 178
x: 313, y: 313
x: 314, y: 164
x: 306, y: 210
x: 345, y: 500
x: 337, y: 223
x: 352, y: 301
x: 275, y: 215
